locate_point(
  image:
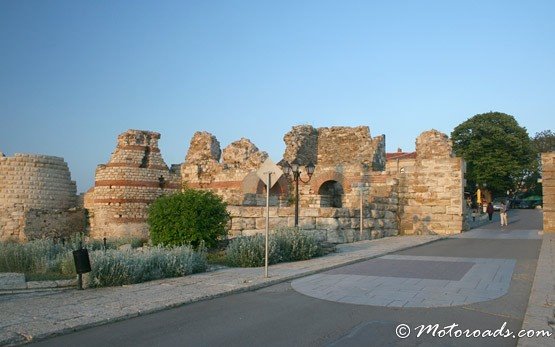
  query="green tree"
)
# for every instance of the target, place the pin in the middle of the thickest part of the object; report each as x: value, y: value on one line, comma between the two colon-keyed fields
x: 497, y: 150
x: 544, y: 141
x: 191, y: 217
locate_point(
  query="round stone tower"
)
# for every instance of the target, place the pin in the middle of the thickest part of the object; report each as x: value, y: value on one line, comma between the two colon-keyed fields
x: 36, y: 192
x: 124, y: 187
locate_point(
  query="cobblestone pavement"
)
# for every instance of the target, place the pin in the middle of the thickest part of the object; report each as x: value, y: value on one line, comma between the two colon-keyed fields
x: 27, y: 317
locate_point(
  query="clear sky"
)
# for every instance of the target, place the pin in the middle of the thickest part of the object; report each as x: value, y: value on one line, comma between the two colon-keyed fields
x: 75, y: 74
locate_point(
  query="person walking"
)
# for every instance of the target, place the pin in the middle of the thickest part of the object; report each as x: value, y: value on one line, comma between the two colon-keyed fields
x: 489, y: 210
x: 503, y: 213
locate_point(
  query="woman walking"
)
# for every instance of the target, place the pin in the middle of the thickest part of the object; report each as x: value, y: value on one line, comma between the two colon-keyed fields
x: 489, y: 210
x: 503, y: 213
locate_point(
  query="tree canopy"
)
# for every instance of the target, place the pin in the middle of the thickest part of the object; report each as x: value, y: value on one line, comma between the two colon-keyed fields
x: 544, y: 141
x: 497, y: 150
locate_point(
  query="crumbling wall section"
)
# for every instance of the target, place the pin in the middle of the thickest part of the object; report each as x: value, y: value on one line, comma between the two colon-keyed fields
x: 346, y: 158
x: 37, y: 188
x: 133, y: 178
x: 548, y: 186
x: 431, y: 187
x: 230, y: 173
x: 328, y: 147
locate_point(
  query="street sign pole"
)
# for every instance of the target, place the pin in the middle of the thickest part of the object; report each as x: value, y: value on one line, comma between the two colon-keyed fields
x: 361, y: 205
x: 267, y: 222
x: 264, y: 173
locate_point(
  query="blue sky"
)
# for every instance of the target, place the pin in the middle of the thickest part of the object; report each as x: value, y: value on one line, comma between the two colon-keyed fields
x: 75, y: 74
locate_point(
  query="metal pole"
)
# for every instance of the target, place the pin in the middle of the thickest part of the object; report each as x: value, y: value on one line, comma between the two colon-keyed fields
x: 361, y: 213
x: 267, y: 224
x: 80, y: 276
x: 297, y: 176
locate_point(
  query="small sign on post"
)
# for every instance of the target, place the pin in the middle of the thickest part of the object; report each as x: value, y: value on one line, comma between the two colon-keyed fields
x: 362, y: 186
x: 269, y: 173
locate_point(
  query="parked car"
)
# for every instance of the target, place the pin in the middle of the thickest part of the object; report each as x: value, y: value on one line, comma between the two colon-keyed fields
x: 524, y: 204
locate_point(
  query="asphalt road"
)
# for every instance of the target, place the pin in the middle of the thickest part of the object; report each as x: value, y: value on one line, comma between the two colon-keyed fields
x: 280, y: 316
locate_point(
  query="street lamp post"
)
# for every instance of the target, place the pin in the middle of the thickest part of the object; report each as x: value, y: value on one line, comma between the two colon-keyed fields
x: 479, y: 196
x: 295, y: 168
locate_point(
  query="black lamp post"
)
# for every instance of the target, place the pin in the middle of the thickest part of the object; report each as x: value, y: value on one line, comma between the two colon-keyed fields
x: 294, y: 168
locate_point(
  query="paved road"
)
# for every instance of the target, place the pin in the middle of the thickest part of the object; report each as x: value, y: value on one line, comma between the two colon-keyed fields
x: 327, y: 314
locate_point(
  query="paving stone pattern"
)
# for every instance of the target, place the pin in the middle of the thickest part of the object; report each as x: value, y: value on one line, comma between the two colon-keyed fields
x: 485, y: 279
x: 433, y: 270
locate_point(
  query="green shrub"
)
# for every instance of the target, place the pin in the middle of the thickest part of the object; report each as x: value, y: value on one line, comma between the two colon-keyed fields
x: 116, y: 268
x: 284, y: 245
x: 191, y: 217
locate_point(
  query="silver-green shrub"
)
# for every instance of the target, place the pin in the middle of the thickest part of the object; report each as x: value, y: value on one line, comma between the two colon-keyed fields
x: 115, y: 268
x: 37, y: 257
x: 48, y: 256
x: 284, y: 245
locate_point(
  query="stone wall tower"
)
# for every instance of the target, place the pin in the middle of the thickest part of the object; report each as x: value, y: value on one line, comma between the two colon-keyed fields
x: 36, y: 196
x: 124, y: 187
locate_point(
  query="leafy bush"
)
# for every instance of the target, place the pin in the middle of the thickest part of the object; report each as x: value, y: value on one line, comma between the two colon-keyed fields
x: 190, y: 217
x: 115, y: 268
x: 284, y: 245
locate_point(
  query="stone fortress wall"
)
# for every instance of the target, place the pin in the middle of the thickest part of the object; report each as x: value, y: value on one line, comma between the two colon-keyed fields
x: 37, y: 198
x: 419, y: 193
x: 409, y: 193
x: 431, y: 188
x: 548, y: 186
x: 124, y: 187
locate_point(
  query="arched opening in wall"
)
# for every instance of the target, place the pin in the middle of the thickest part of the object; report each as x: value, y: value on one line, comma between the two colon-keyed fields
x: 331, y: 194
x: 254, y: 191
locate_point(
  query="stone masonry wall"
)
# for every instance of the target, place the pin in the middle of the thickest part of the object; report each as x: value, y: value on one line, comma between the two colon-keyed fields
x: 37, y: 198
x: 431, y: 187
x: 330, y: 202
x: 335, y: 146
x: 416, y: 193
x: 133, y: 178
x: 230, y: 173
x: 548, y: 186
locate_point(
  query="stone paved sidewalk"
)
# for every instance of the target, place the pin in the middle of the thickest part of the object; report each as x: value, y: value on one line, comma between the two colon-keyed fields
x: 540, y: 314
x: 27, y: 317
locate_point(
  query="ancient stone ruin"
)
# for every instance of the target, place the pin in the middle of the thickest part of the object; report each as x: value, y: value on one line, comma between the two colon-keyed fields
x: 125, y: 186
x: 400, y: 193
x: 37, y: 198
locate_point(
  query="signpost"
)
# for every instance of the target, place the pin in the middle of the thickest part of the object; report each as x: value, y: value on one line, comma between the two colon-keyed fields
x: 265, y: 173
x: 362, y: 186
